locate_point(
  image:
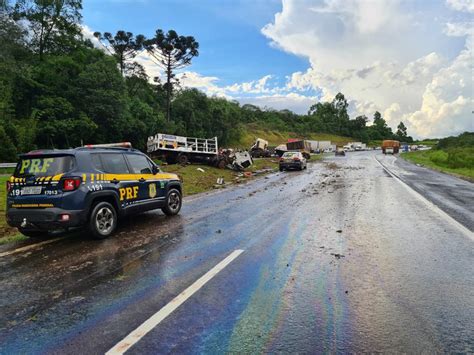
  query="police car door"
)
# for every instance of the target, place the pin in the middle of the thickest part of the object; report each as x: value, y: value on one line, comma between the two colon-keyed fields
x: 121, y: 179
x: 149, y: 191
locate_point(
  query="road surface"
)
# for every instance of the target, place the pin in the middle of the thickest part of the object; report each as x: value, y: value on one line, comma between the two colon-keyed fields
x: 341, y: 257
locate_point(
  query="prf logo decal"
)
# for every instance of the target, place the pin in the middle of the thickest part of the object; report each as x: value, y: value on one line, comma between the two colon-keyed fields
x: 35, y: 165
x: 152, y: 190
x: 128, y: 193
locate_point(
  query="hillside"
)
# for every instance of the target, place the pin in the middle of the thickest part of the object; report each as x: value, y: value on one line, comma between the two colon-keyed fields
x: 275, y: 138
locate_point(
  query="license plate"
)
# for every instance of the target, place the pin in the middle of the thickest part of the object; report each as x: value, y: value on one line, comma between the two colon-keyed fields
x: 31, y: 190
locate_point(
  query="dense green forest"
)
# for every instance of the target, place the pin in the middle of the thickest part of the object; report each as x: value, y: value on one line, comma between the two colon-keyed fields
x: 57, y: 90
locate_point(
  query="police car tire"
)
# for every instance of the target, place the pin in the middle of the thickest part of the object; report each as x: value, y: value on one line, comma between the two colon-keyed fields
x: 168, y: 209
x: 102, y: 207
x: 33, y: 234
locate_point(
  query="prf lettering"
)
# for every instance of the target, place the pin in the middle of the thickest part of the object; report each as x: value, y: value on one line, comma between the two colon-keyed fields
x: 128, y: 193
x: 35, y: 165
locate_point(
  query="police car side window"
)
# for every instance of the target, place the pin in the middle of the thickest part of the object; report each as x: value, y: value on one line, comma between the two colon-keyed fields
x: 97, y: 162
x: 139, y: 164
x: 114, y: 163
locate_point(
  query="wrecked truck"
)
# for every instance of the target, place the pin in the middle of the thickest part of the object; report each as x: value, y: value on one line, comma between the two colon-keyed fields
x: 260, y: 149
x: 183, y: 150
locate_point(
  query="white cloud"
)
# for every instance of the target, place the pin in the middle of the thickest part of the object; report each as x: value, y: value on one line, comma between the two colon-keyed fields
x: 87, y: 33
x: 383, y: 55
x: 447, y: 100
x: 459, y: 29
x: 461, y: 5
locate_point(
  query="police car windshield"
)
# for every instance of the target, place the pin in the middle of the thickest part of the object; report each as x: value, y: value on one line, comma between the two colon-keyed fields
x: 39, y: 166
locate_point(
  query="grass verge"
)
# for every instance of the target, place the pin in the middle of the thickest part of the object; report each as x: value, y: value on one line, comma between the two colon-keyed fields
x: 196, y: 181
x: 7, y: 234
x: 458, y: 162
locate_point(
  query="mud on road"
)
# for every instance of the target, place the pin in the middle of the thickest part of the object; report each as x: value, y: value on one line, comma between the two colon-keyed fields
x: 336, y: 258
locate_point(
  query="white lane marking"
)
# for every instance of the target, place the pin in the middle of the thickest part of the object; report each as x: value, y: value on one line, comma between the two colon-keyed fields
x: 431, y: 205
x: 132, y: 338
x: 28, y: 247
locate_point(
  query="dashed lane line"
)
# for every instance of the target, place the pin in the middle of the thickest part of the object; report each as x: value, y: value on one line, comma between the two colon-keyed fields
x: 430, y: 205
x: 135, y: 336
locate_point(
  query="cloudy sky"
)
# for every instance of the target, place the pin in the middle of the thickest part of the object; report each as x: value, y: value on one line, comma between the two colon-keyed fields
x: 410, y: 60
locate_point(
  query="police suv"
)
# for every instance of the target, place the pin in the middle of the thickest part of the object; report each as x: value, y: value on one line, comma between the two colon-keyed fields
x: 91, y: 186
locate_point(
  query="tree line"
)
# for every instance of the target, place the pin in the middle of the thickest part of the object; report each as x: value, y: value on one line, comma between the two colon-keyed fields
x: 57, y: 90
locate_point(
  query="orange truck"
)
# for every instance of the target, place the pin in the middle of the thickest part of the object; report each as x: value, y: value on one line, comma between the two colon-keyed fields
x: 390, y: 147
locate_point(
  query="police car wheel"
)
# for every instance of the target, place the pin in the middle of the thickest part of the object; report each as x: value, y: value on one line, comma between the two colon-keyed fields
x: 173, y: 203
x: 103, y: 220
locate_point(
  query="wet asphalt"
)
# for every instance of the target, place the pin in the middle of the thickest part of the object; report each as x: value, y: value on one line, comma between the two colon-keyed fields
x: 337, y: 258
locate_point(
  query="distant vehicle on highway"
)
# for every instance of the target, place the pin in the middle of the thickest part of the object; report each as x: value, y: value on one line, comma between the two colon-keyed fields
x: 292, y: 160
x: 91, y: 186
x: 390, y: 146
x: 339, y: 152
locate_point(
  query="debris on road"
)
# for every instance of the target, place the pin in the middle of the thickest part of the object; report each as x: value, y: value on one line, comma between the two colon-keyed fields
x: 337, y: 255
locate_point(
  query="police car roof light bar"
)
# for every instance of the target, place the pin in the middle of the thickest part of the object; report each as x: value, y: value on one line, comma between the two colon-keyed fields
x: 110, y: 145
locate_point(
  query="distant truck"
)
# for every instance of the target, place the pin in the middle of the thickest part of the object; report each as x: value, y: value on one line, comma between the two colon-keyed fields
x: 319, y: 146
x: 299, y: 146
x: 390, y: 147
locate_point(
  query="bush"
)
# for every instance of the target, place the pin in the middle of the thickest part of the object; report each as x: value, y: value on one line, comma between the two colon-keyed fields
x: 460, y: 158
x: 465, y: 139
x: 7, y: 149
x: 438, y: 157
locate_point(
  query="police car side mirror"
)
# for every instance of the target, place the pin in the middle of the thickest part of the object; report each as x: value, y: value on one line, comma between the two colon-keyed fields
x: 155, y: 170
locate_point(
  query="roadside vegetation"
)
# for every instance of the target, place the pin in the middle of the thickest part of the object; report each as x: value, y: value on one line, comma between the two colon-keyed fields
x: 59, y: 89
x: 7, y: 234
x: 454, y: 155
x: 274, y: 137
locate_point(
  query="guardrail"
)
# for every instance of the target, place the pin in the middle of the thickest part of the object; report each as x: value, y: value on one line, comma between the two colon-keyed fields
x: 7, y: 165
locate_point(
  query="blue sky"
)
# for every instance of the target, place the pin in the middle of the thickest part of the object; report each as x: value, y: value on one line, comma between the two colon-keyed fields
x: 231, y: 45
x: 409, y: 59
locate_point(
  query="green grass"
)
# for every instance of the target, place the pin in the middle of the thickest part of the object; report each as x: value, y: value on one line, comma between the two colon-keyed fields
x: 457, y: 161
x: 275, y: 138
x: 15, y: 238
x: 6, y: 171
x: 7, y: 234
x: 195, y: 181
x: 427, y: 142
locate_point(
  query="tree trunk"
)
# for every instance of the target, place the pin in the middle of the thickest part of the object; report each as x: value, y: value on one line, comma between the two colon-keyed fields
x: 168, y: 90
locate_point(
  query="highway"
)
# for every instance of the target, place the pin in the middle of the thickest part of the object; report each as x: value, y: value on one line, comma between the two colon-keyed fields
x: 362, y: 253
